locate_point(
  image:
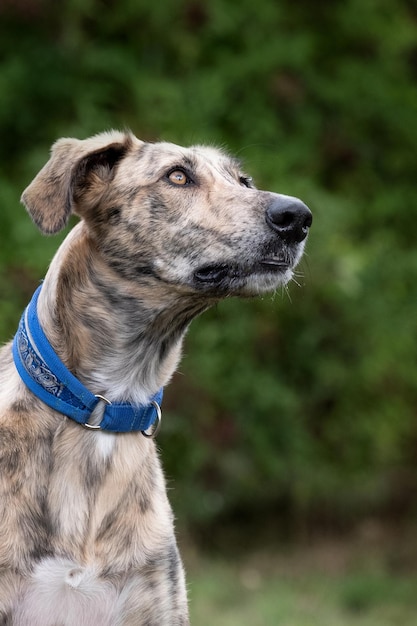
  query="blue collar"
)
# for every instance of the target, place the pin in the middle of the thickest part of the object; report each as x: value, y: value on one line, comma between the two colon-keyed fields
x: 47, y: 377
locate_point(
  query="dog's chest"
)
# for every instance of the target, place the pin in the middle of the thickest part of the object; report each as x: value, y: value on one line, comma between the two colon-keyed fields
x: 106, y: 498
x: 108, y: 541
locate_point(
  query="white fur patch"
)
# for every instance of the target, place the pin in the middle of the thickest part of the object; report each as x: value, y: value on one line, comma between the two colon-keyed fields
x: 61, y: 592
x: 105, y: 443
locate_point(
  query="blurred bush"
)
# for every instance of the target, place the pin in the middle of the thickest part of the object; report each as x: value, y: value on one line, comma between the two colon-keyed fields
x: 306, y: 402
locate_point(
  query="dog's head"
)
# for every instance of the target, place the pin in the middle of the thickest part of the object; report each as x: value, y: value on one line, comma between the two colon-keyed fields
x: 188, y: 218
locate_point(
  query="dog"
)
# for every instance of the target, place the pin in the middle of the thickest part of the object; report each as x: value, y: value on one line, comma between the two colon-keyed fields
x: 86, y: 530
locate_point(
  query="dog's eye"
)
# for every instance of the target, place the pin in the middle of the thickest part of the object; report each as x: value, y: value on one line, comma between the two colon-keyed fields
x: 179, y: 177
x: 246, y: 181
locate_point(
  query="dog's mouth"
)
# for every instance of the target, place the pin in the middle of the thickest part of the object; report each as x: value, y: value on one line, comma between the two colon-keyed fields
x: 275, y: 264
x: 212, y: 274
x: 218, y: 274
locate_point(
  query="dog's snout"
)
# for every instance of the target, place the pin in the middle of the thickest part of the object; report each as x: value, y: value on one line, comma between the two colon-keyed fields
x: 289, y: 217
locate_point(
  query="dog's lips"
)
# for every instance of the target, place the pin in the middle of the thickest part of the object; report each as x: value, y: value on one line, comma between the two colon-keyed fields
x: 216, y: 273
x: 275, y: 264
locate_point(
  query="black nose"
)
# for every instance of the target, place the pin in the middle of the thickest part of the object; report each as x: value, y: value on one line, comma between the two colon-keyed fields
x: 289, y: 217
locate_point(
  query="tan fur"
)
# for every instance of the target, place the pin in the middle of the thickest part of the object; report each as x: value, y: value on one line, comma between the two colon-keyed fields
x: 86, y: 530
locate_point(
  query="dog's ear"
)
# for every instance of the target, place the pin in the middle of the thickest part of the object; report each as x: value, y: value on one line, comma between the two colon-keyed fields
x: 74, y: 168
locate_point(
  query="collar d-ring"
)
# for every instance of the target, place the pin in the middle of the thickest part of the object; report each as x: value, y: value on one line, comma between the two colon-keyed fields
x: 97, y: 426
x: 154, y: 429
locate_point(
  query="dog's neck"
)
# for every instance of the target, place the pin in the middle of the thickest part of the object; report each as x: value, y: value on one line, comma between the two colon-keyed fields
x: 122, y: 341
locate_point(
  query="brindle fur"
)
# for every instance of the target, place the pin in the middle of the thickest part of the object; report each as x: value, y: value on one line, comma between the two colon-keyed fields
x: 86, y: 530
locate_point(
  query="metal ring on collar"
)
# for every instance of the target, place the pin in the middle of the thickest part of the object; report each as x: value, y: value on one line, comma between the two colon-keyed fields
x: 91, y: 426
x: 154, y: 429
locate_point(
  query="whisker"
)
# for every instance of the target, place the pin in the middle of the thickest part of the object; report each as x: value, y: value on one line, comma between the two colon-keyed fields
x: 286, y: 290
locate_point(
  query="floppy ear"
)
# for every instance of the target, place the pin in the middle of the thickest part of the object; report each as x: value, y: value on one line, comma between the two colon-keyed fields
x: 51, y: 196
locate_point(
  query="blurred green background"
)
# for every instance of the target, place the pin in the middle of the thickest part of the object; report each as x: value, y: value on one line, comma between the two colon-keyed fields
x: 292, y: 417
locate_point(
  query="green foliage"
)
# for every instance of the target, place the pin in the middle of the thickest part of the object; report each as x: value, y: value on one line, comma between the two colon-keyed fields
x: 307, y: 400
